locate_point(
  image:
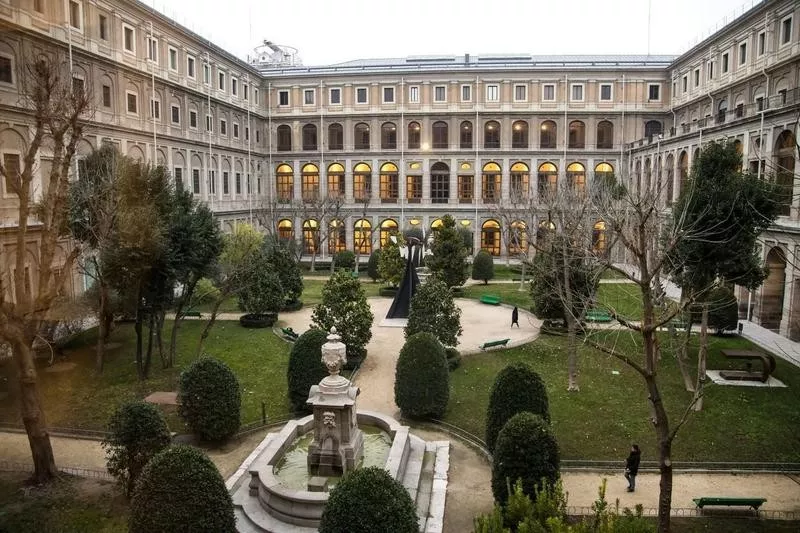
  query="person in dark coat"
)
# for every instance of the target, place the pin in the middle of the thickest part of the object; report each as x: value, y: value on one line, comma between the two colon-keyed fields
x: 515, y: 317
x: 632, y: 467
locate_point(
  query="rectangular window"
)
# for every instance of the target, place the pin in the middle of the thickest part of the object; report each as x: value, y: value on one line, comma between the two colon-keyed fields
x: 206, y: 73
x: 685, y: 83
x: 221, y: 81
x: 106, y: 96
x: 6, y: 70
x: 762, y: 43
x: 173, y: 59
x: 103, y: 27
x: 258, y: 136
x: 335, y: 96
x: 308, y: 97
x: 361, y: 95
x: 255, y: 96
x: 132, y: 102
x: 283, y: 98
x: 238, y: 183
x: 11, y: 162
x: 743, y: 53
x: 576, y: 92
x: 697, y: 77
x: 128, y: 39
x: 226, y: 186
x: 234, y: 86
x: 246, y: 90
x: 710, y: 69
x: 176, y: 114
x: 725, y: 63
x: 247, y: 133
x: 605, y: 92
x: 178, y: 173
x: 212, y: 182
x: 548, y: 92
x: 223, y: 127
x: 193, y: 119
x: 786, y: 31
x: 78, y: 86
x: 235, y: 131
x: 413, y: 94
x: 76, y: 14
x: 209, y: 123
x: 196, y: 181
x: 155, y: 109
x: 654, y: 92
x: 440, y: 93
x: 388, y: 95
x: 492, y: 93
x: 190, y: 67
x: 466, y: 93
x: 152, y: 50
x: 466, y: 189
x: 414, y: 188
x: 520, y: 93
x: 37, y: 6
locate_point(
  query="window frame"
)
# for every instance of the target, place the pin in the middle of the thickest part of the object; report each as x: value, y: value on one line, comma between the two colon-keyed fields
x: 468, y: 87
x: 125, y: 28
x: 155, y: 109
x: 12, y: 69
x: 152, y: 49
x: 786, y: 40
x: 761, y: 43
x: 610, y: 92
x: 209, y: 123
x: 524, y: 87
x: 193, y: 114
x: 102, y: 27
x: 191, y: 72
x: 235, y: 130
x: 489, y: 87
x: 288, y: 97
x: 545, y: 86
x: 222, y: 81
x: 128, y: 94
x: 572, y: 87
x: 170, y: 50
x: 330, y: 95
x: 79, y: 4
x: 206, y: 74
x: 197, y: 185
x: 726, y: 64
x: 383, y: 94
x: 366, y: 95
x: 103, y: 96
x: 742, y: 57
x: 313, y: 94
x: 223, y: 127
x: 173, y: 108
x: 657, y: 86
x: 413, y: 91
x: 696, y: 76
x: 20, y: 155
x: 444, y: 91
x: 234, y: 86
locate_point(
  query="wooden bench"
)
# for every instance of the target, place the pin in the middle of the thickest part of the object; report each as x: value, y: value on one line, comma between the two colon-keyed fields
x: 597, y: 315
x: 490, y: 299
x: 290, y: 334
x: 755, y: 503
x: 767, y: 365
x: 492, y: 344
x: 193, y: 314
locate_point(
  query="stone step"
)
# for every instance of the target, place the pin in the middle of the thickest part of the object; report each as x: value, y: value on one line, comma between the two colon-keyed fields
x: 425, y: 486
x: 413, y: 467
x: 434, y: 495
x: 252, y: 518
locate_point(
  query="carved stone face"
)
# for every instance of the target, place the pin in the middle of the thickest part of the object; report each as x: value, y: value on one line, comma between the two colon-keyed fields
x: 329, y: 419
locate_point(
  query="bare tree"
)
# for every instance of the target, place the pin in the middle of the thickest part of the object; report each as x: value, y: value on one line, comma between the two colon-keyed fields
x: 323, y: 209
x: 57, y: 107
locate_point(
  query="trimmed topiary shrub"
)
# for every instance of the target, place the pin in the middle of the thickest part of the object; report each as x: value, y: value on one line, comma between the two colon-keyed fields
x: 527, y: 450
x: 516, y: 388
x: 434, y: 310
x: 421, y: 384
x: 372, y: 265
x: 483, y: 267
x: 209, y: 399
x: 345, y: 259
x: 369, y: 500
x: 180, y: 489
x: 449, y: 255
x: 305, y: 367
x: 284, y: 263
x: 137, y: 431
x: 205, y: 292
x: 453, y: 358
x: 723, y: 310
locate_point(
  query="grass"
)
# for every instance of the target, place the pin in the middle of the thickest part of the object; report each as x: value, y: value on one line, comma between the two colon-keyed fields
x: 80, y: 399
x: 509, y: 293
x: 611, y: 410
x: 69, y: 504
x: 624, y: 298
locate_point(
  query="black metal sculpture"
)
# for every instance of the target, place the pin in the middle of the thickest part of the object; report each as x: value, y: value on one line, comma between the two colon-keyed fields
x: 408, y: 286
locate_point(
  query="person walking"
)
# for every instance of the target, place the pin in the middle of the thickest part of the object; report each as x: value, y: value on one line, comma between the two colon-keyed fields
x: 632, y: 467
x: 515, y: 317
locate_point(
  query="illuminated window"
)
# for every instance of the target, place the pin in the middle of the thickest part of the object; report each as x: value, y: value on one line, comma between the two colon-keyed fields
x: 285, y: 230
x: 389, y: 183
x: 490, y: 237
x: 335, y: 180
x: 285, y: 177
x: 547, y: 134
x: 491, y: 182
x: 310, y: 182
x: 362, y: 236
x: 491, y: 134
x: 414, y: 132
x: 519, y: 134
x: 362, y: 182
x: 548, y: 181
x: 520, y: 181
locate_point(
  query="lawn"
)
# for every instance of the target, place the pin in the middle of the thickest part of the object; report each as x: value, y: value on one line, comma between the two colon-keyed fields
x: 77, y: 398
x: 611, y: 410
x: 509, y: 293
x: 624, y: 298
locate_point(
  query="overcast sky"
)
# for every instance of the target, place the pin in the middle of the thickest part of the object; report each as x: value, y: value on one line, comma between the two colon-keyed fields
x: 332, y: 31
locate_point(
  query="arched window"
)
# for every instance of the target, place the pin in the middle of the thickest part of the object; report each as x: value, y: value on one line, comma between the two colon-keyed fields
x: 652, y: 128
x: 310, y: 237
x: 388, y: 136
x: 547, y: 134
x: 361, y: 136
x: 548, y: 181
x: 722, y: 111
x: 285, y: 177
x: 335, y: 137
x: 440, y: 135
x: 518, y: 238
x: 388, y: 228
x: 605, y: 134
x: 520, y: 181
x: 519, y: 134
x: 440, y: 183
x: 362, y: 182
x: 285, y: 230
x: 310, y: 182
x: 362, y: 236
x: 337, y: 236
x: 490, y: 237
x: 414, y: 132
x: 309, y: 137
x: 599, y: 238
x: 491, y: 182
x: 683, y: 170
x: 544, y: 233
x: 335, y: 180
x: 784, y: 169
x: 284, y: 138
x: 436, y: 224
x: 388, y: 183
x: 576, y: 177
x: 491, y: 134
x: 465, y: 134
x: 577, y: 134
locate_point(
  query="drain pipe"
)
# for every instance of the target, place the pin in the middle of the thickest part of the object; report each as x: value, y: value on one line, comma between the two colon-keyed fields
x: 761, y: 127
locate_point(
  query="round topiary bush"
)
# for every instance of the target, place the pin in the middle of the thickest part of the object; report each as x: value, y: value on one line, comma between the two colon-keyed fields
x: 421, y: 385
x: 516, y: 388
x: 305, y: 367
x: 137, y: 431
x: 483, y: 267
x: 180, y: 489
x: 345, y: 259
x: 526, y: 449
x: 261, y: 297
x: 209, y: 399
x: 453, y: 357
x: 368, y: 500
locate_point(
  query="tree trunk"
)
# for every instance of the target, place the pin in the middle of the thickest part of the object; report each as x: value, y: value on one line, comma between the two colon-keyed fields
x: 522, y: 279
x: 572, y: 354
x: 102, y: 332
x: 313, y: 259
x: 210, y: 323
x: 138, y: 328
x: 32, y: 415
x: 166, y: 361
x: 702, y: 356
x: 183, y: 302
x: 150, y: 331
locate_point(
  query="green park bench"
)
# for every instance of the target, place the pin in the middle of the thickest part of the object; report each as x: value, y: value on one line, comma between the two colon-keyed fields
x: 490, y: 299
x: 678, y: 324
x: 193, y: 314
x: 290, y: 334
x: 755, y: 503
x: 491, y: 344
x: 597, y: 315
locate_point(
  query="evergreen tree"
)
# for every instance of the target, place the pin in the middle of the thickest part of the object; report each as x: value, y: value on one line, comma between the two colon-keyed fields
x: 433, y: 310
x: 449, y: 254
